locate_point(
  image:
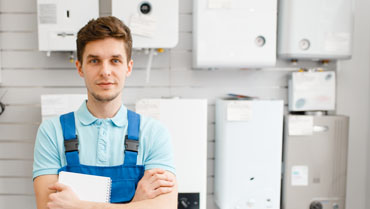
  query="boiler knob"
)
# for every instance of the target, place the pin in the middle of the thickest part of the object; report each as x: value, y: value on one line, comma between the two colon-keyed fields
x: 316, y: 205
x: 184, y: 202
x: 304, y: 44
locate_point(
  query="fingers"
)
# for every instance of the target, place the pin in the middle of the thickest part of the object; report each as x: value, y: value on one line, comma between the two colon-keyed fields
x: 58, y: 187
x: 154, y: 171
x: 162, y: 183
x: 162, y: 190
x: 158, y: 177
x: 52, y: 196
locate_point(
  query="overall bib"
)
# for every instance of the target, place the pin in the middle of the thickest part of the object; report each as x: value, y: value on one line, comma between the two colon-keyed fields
x: 124, y: 177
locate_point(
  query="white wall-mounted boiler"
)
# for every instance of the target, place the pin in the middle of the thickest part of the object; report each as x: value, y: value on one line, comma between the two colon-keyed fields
x: 234, y: 33
x: 153, y: 23
x: 59, y: 21
x: 315, y: 29
x: 186, y: 120
x: 248, y: 154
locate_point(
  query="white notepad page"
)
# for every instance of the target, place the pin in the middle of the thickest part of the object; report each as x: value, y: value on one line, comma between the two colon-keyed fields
x: 87, y: 187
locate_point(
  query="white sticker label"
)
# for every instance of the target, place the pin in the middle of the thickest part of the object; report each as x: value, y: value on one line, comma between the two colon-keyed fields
x: 239, y: 111
x: 149, y: 108
x: 300, y: 125
x: 337, y: 42
x: 219, y: 4
x: 299, y: 176
x: 143, y: 25
x: 56, y: 104
x: 48, y: 13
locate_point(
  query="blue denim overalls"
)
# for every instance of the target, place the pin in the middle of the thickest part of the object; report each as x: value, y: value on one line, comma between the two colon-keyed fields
x: 124, y: 177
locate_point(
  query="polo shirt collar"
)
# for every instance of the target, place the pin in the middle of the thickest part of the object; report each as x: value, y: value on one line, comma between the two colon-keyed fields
x: 86, y: 118
x: 120, y: 119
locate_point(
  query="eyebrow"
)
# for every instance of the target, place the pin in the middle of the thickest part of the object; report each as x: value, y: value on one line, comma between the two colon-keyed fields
x: 92, y: 56
x: 117, y: 56
x: 96, y: 56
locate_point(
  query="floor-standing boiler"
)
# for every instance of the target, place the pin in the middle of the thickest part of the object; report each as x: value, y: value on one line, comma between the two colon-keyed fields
x: 248, y: 154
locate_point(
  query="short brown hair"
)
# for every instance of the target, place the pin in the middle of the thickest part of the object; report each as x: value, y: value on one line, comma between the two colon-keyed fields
x: 101, y: 28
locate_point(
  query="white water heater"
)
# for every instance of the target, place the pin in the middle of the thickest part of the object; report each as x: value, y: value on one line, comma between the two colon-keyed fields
x: 234, y: 33
x: 60, y: 20
x: 315, y: 29
x: 186, y: 120
x: 248, y: 154
x: 153, y: 23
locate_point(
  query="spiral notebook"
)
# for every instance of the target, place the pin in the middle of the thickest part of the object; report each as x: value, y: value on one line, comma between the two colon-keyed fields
x: 87, y: 187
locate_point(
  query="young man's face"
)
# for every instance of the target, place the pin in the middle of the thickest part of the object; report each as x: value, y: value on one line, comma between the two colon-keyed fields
x: 104, y: 68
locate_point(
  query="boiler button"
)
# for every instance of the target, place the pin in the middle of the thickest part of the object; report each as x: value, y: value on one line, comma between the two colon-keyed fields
x: 260, y: 41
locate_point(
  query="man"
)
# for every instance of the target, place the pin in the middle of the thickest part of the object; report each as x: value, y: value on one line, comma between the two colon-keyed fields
x: 92, y: 140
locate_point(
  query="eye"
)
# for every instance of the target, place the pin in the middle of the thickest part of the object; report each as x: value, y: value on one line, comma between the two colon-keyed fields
x: 94, y: 61
x: 116, y: 61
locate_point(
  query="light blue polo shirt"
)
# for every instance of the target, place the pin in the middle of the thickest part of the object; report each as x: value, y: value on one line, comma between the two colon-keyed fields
x: 101, y: 143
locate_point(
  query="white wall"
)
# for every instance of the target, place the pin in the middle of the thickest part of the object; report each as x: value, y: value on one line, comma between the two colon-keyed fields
x: 353, y: 100
x: 28, y: 73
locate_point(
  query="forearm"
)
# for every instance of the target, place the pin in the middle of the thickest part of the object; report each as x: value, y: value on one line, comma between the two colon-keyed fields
x: 144, y: 204
x: 166, y: 201
x: 42, y: 192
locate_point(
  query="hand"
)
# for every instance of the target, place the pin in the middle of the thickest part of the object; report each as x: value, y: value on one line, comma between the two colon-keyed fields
x: 65, y: 198
x: 154, y: 183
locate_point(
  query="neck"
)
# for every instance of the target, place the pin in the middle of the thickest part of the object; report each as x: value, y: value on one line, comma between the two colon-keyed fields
x: 103, y: 109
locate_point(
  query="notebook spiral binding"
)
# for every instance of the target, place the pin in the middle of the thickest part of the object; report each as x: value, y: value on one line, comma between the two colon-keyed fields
x: 109, y: 190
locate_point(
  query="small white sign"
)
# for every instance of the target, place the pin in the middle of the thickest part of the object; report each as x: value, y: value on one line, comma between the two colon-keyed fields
x: 143, y: 25
x: 149, y: 108
x: 299, y: 176
x: 300, y: 125
x: 239, y: 111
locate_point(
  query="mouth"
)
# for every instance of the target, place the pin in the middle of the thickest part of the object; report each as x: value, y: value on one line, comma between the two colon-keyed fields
x: 105, y: 84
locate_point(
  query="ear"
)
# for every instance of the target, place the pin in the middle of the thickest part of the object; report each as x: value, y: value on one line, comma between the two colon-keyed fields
x: 129, y: 68
x: 79, y: 68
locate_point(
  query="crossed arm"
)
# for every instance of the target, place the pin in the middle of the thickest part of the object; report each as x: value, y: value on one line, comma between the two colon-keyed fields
x: 157, y: 189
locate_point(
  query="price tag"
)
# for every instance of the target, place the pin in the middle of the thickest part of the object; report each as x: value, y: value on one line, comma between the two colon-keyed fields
x: 56, y: 104
x: 143, y: 25
x: 300, y: 125
x: 149, y: 108
x: 239, y: 111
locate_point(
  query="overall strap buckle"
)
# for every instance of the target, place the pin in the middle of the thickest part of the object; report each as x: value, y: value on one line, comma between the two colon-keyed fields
x: 131, y: 145
x: 71, y: 145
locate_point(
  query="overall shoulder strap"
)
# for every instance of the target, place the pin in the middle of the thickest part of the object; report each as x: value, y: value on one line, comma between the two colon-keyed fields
x: 70, y: 138
x: 132, y: 138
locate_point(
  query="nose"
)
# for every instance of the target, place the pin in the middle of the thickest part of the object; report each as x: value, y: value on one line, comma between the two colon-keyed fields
x: 106, y: 69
